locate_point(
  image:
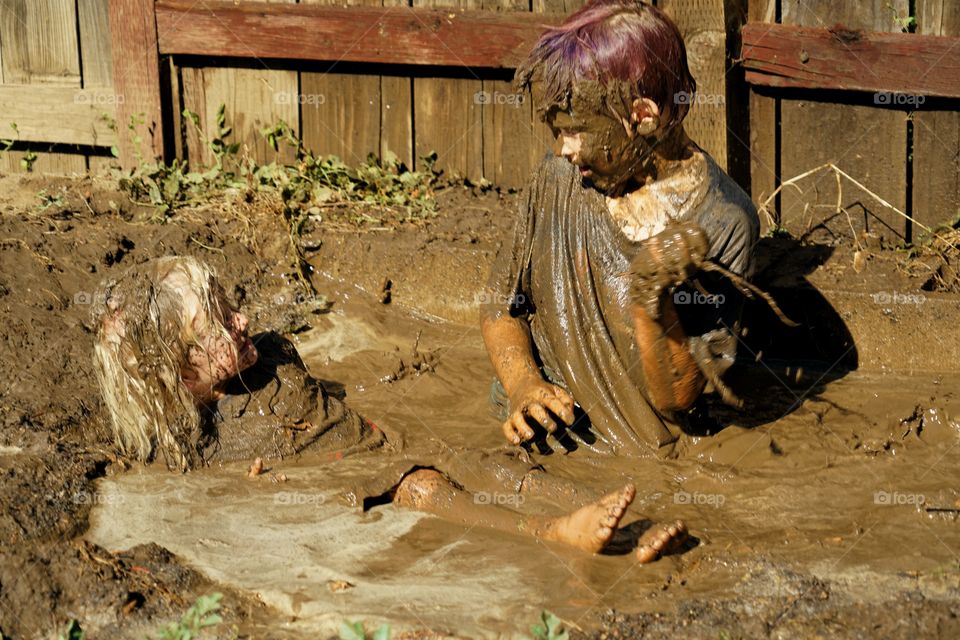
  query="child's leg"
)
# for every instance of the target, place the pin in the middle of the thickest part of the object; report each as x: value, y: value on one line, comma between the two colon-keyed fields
x: 589, y: 528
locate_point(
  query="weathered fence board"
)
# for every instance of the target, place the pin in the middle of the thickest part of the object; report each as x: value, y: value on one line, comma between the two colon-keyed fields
x: 342, y: 113
x: 936, y: 134
x: 254, y: 96
x: 702, y: 24
x: 445, y: 35
x: 843, y: 58
x: 39, y: 39
x: 94, y: 20
x: 65, y: 115
x: 868, y: 143
x: 764, y: 128
x: 136, y: 79
x: 447, y: 112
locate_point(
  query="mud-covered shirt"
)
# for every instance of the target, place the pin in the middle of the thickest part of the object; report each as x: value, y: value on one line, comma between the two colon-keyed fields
x: 565, y: 271
x: 277, y: 409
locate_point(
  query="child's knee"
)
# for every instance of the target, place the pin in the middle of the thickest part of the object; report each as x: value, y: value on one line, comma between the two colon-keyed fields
x: 420, y: 488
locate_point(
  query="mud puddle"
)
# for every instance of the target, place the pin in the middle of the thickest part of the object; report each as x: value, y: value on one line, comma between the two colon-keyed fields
x: 848, y: 489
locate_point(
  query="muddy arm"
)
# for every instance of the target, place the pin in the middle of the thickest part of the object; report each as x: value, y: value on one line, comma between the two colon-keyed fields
x: 674, y: 380
x: 511, y: 350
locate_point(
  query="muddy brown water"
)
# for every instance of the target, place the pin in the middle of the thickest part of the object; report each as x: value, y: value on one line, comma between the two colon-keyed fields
x: 850, y: 487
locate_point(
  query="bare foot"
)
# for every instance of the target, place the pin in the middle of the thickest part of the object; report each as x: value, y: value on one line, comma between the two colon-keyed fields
x: 591, y: 527
x: 660, y: 539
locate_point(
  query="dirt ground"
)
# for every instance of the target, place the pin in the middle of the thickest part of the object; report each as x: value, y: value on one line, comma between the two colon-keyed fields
x: 827, y: 508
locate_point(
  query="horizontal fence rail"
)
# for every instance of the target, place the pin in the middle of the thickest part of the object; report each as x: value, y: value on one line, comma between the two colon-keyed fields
x: 789, y: 56
x: 385, y: 35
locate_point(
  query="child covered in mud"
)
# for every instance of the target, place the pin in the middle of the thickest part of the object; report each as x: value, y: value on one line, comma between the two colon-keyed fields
x: 608, y: 296
x: 183, y: 381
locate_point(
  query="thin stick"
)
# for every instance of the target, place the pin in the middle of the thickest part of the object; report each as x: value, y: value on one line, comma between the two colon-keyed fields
x: 749, y: 290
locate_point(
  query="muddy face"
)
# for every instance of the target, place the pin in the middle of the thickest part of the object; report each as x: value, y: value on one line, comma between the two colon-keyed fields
x: 601, y: 142
x: 215, y: 357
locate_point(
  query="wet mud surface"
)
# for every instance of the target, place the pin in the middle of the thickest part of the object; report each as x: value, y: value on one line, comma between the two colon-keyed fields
x: 828, y: 507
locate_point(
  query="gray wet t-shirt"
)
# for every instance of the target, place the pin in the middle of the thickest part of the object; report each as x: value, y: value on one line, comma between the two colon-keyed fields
x: 565, y: 270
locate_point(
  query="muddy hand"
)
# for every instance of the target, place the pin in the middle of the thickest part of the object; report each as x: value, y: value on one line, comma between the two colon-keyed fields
x: 666, y: 260
x: 536, y: 399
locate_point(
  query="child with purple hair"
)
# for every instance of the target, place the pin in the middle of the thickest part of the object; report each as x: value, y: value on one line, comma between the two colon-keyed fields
x: 602, y: 300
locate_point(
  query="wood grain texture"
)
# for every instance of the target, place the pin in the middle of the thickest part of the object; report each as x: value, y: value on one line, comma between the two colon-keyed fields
x: 39, y: 40
x: 936, y: 134
x: 764, y: 128
x: 255, y: 95
x: 64, y: 115
x: 513, y: 138
x: 136, y: 79
x: 702, y: 24
x: 448, y: 112
x: 868, y: 143
x: 341, y: 113
x: 95, y: 54
x: 52, y: 162
x: 392, y: 35
x: 821, y: 58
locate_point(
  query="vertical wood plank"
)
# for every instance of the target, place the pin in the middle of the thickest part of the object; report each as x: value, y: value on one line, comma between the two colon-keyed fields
x: 95, y: 43
x: 936, y: 134
x: 702, y: 24
x: 868, y: 143
x: 39, y: 39
x: 40, y: 42
x: 136, y: 78
x: 511, y: 135
x: 341, y: 113
x: 448, y: 117
x: 764, y: 179
x: 396, y: 118
x: 254, y: 95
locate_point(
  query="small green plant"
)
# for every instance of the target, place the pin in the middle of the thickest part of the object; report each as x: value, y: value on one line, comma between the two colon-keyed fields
x: 202, y: 615
x: 73, y: 632
x: 29, y: 156
x: 354, y: 631
x: 47, y: 201
x: 907, y: 25
x: 550, y: 627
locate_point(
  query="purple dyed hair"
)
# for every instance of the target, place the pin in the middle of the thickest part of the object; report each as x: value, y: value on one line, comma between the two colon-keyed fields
x: 612, y: 40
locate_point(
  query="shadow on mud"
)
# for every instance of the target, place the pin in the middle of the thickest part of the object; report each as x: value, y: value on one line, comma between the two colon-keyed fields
x: 779, y: 366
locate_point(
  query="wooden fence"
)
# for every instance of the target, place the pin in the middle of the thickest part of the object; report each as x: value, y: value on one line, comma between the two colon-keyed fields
x: 441, y: 100
x: 413, y: 76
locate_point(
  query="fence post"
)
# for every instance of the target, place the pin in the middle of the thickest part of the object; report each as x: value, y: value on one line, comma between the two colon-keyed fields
x: 136, y: 81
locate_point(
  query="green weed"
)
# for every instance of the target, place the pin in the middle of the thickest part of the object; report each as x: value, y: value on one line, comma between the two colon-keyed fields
x: 550, y: 627
x: 354, y: 631
x: 202, y: 615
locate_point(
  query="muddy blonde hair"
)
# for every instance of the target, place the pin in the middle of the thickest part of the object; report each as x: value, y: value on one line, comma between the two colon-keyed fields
x: 146, y: 321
